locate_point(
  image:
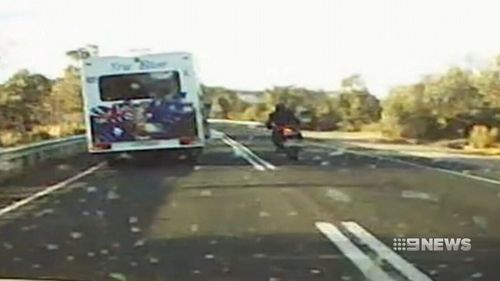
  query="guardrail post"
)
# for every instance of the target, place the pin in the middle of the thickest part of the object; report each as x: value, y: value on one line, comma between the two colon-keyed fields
x: 15, y: 160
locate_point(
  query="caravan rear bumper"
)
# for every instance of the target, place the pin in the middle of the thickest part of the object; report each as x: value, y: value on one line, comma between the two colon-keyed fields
x: 145, y: 145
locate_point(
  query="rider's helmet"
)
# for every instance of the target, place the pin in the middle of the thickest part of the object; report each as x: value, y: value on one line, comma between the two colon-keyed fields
x: 280, y: 107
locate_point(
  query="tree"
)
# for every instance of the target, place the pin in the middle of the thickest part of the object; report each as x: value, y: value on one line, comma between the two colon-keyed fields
x: 83, y: 53
x: 440, y: 106
x: 65, y: 98
x: 406, y: 114
x: 256, y: 112
x: 452, y: 94
x: 23, y: 100
x: 356, y: 105
x: 225, y: 106
x: 488, y: 84
x: 353, y: 83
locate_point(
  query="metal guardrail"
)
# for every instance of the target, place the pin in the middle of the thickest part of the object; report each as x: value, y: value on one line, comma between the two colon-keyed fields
x: 236, y: 122
x: 14, y: 160
x: 48, y: 144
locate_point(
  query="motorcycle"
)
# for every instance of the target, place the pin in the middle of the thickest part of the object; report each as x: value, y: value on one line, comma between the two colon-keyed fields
x: 289, y: 140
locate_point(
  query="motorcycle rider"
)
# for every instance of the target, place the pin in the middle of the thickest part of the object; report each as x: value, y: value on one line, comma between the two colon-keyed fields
x: 281, y: 116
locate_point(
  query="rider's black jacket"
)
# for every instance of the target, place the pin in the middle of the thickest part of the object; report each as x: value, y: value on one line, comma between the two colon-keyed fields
x: 282, y: 118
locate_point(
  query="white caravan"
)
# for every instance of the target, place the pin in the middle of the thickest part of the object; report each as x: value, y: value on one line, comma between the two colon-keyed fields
x: 148, y: 102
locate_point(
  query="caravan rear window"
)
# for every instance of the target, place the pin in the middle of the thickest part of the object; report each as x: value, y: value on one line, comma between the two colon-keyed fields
x: 132, y: 86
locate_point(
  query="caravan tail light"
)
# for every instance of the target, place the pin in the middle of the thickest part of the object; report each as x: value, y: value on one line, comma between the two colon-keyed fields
x: 102, y: 146
x: 186, y: 140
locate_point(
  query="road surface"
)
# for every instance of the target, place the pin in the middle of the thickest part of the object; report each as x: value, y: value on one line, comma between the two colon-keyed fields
x: 245, y: 212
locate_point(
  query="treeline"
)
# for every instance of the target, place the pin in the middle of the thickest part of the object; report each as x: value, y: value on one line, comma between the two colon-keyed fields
x: 34, y: 107
x: 351, y: 108
x: 459, y: 103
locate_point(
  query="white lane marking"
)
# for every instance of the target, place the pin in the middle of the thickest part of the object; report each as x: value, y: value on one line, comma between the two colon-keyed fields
x: 452, y: 172
x: 252, y: 154
x: 385, y: 252
x: 414, y: 194
x: 366, y: 265
x: 336, y: 153
x: 50, y: 189
x: 488, y: 180
x: 338, y: 195
x: 216, y: 134
x: 241, y: 153
x: 1, y: 279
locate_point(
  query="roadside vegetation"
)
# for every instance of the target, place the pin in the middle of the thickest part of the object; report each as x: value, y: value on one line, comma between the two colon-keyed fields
x: 35, y: 108
x: 459, y: 108
x: 460, y: 105
x: 350, y: 109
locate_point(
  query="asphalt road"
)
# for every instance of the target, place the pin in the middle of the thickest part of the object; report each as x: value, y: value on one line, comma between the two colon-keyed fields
x: 245, y: 212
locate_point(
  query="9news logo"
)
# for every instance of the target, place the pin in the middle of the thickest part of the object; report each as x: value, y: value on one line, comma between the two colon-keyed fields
x: 431, y: 244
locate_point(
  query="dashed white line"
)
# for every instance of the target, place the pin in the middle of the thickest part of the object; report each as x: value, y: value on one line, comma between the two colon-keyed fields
x: 258, y: 163
x: 252, y: 154
x: 366, y: 265
x: 385, y: 252
x: 50, y: 189
x: 238, y: 150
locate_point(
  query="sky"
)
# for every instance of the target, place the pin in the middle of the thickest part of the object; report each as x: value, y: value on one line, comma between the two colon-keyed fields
x: 257, y: 44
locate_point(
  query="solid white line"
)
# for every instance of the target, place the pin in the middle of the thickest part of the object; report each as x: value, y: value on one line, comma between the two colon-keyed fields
x: 366, y: 265
x: 49, y: 189
x: 243, y: 154
x: 37, y: 279
x: 385, y: 252
x: 451, y: 172
x: 255, y: 156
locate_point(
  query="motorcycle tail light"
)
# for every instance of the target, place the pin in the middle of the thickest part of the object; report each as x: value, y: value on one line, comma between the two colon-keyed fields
x: 288, y: 131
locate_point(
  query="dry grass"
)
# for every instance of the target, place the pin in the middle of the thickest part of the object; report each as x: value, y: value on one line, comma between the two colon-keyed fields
x: 493, y: 151
x: 372, y: 136
x: 10, y: 138
x: 375, y: 140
